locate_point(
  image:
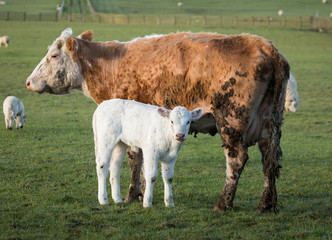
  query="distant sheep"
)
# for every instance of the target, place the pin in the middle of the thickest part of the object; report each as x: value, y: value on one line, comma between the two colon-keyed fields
x: 4, y: 40
x: 13, y: 108
x: 159, y: 132
x: 292, y: 98
x: 281, y: 12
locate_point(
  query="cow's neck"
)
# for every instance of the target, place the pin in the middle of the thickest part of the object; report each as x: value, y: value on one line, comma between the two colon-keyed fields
x: 99, y: 62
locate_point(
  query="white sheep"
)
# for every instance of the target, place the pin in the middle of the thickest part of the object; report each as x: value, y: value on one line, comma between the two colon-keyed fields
x: 292, y: 98
x: 159, y: 132
x: 13, y: 108
x: 4, y: 40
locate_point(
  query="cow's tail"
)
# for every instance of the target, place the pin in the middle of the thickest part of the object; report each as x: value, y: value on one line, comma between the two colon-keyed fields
x: 273, y: 152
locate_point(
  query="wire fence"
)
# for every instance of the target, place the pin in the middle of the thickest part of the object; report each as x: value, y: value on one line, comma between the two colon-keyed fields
x: 285, y: 21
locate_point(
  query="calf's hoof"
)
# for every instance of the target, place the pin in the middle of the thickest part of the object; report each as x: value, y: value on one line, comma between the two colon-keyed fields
x: 103, y: 201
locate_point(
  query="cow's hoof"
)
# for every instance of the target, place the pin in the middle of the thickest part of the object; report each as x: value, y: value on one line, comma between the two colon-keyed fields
x: 134, y: 198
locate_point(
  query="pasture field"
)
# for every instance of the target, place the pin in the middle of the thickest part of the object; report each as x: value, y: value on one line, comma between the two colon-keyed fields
x: 214, y: 7
x: 48, y: 182
x: 30, y: 6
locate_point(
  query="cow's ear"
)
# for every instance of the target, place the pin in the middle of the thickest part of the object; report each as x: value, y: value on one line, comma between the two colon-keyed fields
x: 163, y: 112
x: 71, y: 44
x: 197, y: 113
x: 87, y: 35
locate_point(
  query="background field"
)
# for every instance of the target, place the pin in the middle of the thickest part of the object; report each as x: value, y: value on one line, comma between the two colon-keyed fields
x: 48, y: 184
x: 215, y: 7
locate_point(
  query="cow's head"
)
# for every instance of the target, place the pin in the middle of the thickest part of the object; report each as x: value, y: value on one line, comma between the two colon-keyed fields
x: 58, y: 72
x: 179, y: 120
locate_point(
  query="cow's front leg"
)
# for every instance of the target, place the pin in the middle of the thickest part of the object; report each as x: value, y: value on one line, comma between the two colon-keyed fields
x: 167, y: 170
x: 236, y: 159
x: 135, y: 161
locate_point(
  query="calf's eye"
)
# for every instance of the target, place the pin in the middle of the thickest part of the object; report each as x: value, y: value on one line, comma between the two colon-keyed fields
x: 54, y: 56
x: 172, y: 122
x: 188, y: 122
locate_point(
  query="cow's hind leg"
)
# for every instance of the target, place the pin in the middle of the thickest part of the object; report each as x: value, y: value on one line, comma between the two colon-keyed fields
x: 237, y: 157
x: 135, y: 161
x: 269, y: 145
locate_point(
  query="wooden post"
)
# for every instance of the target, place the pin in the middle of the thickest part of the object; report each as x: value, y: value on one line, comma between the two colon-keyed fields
x: 220, y: 20
x: 40, y: 17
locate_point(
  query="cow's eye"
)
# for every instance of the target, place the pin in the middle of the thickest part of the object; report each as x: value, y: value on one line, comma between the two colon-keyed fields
x: 188, y: 122
x: 54, y: 56
x: 172, y: 122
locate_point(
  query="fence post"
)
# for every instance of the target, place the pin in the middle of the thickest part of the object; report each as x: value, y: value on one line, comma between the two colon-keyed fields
x: 158, y: 20
x: 40, y: 17
x: 189, y: 20
x: 300, y: 21
x: 220, y: 20
x: 7, y: 16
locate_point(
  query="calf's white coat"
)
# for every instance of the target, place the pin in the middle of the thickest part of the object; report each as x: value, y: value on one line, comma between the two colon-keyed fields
x: 159, y: 132
x: 292, y: 97
x: 13, y: 108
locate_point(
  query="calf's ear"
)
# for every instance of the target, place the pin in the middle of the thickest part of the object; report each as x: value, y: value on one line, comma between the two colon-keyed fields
x: 87, y: 35
x: 163, y: 112
x: 71, y: 44
x: 197, y: 113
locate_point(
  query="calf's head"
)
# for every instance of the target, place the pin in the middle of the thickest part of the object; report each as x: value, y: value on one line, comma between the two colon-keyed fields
x: 179, y: 120
x: 58, y: 72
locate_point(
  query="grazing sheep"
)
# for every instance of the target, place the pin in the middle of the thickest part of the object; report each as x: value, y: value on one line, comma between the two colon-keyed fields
x: 159, y: 132
x: 4, y: 40
x: 13, y: 108
x: 292, y: 98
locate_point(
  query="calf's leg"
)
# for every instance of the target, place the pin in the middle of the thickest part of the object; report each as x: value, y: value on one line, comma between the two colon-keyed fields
x: 103, y: 157
x: 116, y: 162
x: 167, y: 170
x: 150, y: 174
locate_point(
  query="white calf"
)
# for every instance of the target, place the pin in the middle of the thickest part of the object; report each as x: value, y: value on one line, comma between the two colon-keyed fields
x: 13, y: 108
x: 159, y: 132
x: 4, y: 40
x: 292, y: 98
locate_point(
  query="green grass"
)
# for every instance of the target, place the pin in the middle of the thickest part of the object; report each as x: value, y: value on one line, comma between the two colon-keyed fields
x: 48, y: 184
x: 215, y: 7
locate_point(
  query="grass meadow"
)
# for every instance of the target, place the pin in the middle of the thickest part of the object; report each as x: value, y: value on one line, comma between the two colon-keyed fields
x: 48, y: 182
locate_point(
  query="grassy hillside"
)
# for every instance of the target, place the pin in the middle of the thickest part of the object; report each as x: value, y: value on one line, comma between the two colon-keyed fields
x: 48, y: 184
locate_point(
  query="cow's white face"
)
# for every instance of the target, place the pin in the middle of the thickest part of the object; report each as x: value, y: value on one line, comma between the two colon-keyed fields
x: 180, y: 119
x: 57, y: 73
x: 291, y: 105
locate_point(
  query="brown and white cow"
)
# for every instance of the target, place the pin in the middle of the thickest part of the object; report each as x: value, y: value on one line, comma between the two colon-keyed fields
x: 239, y: 80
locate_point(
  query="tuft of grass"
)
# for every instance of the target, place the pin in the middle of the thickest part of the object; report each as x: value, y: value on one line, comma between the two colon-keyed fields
x: 48, y: 184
